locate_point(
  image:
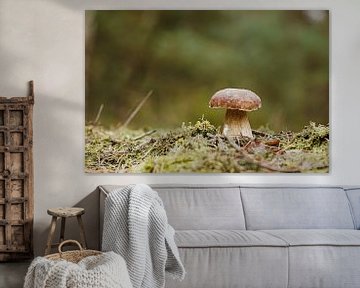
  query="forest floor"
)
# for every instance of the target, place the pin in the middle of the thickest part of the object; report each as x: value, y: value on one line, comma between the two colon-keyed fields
x: 201, y: 148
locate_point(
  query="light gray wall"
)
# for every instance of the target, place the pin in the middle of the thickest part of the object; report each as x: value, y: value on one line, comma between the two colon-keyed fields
x: 44, y: 41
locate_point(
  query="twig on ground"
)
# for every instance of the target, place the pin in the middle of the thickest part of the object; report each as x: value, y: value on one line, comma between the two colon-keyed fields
x: 133, y: 114
x: 144, y: 135
x: 247, y: 144
x: 99, y: 114
x: 149, y: 151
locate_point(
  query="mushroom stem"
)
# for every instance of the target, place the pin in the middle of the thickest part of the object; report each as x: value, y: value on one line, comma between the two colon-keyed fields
x: 236, y: 124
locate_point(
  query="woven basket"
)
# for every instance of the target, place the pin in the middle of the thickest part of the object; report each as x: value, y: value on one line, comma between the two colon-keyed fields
x: 72, y: 256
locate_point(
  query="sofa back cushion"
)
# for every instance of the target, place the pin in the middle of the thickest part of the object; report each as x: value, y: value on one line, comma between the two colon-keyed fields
x: 203, y: 208
x: 296, y: 208
x: 354, y: 198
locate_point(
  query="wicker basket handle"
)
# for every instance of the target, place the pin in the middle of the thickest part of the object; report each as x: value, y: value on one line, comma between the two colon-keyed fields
x: 69, y: 241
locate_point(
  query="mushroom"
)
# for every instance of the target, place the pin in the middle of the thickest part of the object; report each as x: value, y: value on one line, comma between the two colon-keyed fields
x: 237, y: 102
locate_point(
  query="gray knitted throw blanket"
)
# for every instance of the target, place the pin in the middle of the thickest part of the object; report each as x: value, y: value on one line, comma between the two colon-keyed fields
x: 102, y: 271
x: 136, y: 227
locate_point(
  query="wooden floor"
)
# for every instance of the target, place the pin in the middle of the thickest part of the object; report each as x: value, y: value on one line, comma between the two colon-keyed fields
x: 12, y: 274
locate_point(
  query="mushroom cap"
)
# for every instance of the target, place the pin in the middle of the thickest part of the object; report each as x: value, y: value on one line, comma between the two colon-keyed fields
x: 233, y: 98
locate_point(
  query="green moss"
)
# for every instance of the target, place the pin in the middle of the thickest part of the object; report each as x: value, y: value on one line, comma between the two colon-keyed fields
x: 311, y: 137
x: 201, y: 148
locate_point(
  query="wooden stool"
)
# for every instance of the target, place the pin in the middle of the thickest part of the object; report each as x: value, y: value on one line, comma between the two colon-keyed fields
x: 64, y: 213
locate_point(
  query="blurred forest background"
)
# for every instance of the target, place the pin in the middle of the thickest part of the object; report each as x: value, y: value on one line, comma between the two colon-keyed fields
x: 184, y: 57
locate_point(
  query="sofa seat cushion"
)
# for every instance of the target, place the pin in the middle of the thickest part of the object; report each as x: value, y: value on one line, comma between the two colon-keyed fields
x: 225, y: 267
x: 226, y: 238
x: 317, y: 237
x: 322, y: 258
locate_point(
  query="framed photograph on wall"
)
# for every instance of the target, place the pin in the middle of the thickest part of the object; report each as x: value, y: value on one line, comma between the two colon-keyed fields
x: 243, y: 91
